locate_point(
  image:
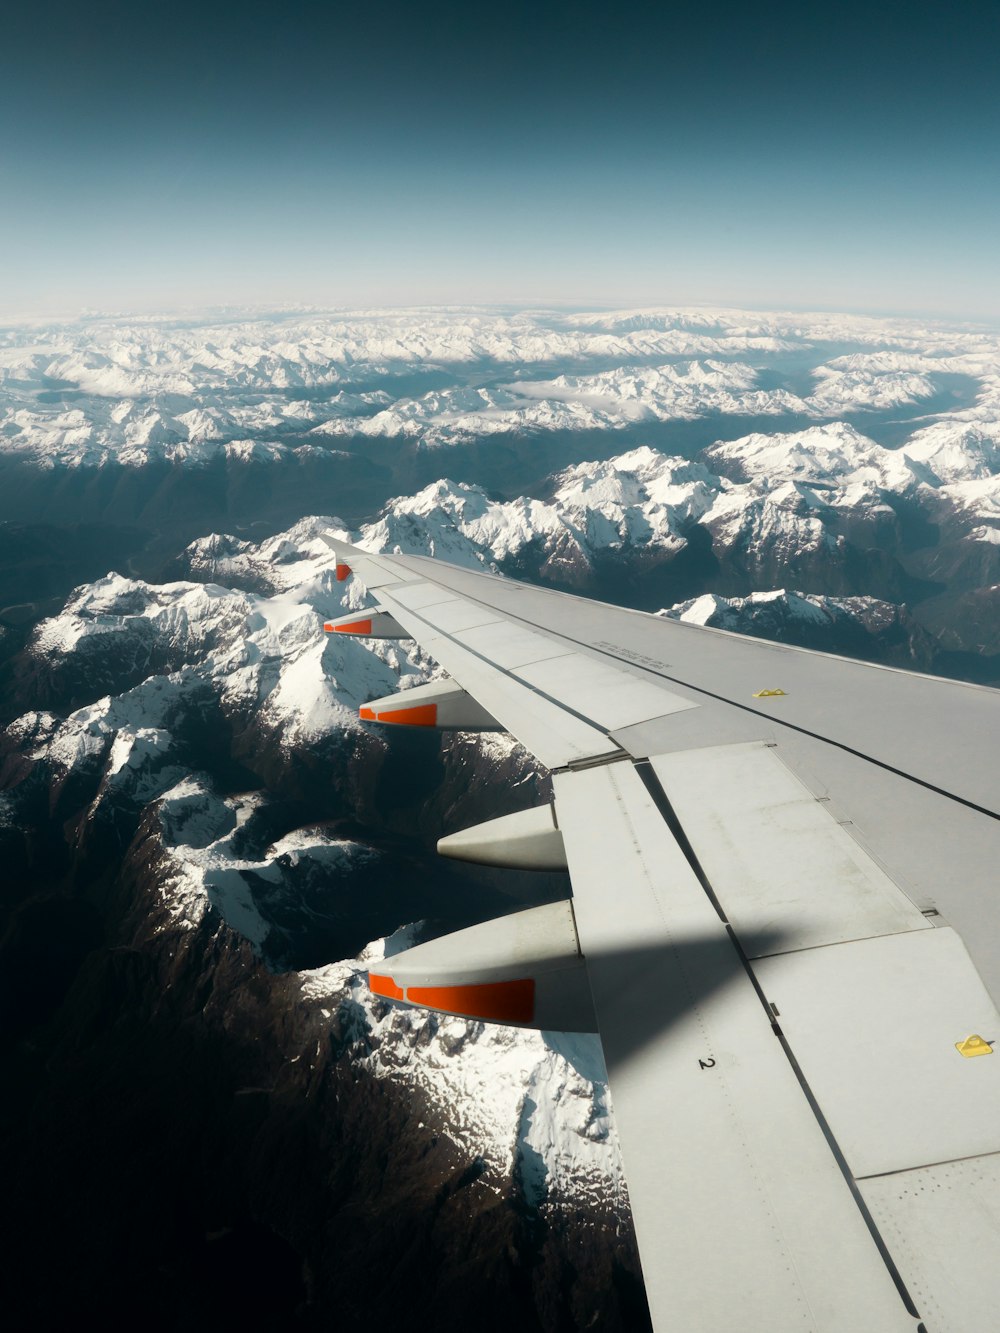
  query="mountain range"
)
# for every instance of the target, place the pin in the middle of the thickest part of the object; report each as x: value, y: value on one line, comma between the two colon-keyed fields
x: 206, y: 848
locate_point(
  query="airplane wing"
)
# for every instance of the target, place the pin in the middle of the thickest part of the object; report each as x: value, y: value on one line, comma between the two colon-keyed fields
x: 784, y: 924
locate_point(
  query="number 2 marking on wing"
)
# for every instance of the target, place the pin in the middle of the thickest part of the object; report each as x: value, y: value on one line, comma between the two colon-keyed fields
x: 706, y: 1064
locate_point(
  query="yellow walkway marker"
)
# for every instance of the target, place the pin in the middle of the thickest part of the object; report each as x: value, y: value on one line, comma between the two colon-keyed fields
x: 768, y: 694
x: 973, y: 1045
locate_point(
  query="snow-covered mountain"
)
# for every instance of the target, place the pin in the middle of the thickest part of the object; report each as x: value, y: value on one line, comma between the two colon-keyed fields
x: 207, y: 732
x: 121, y: 687
x: 640, y: 499
x: 855, y: 626
x: 826, y: 507
x: 628, y: 396
x: 208, y: 846
x: 265, y: 386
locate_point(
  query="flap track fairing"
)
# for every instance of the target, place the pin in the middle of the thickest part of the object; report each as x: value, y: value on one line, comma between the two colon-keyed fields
x: 442, y: 704
x: 528, y: 840
x: 373, y: 623
x: 524, y: 970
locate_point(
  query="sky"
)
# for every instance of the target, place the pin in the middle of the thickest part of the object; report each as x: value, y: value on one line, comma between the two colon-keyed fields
x: 162, y: 156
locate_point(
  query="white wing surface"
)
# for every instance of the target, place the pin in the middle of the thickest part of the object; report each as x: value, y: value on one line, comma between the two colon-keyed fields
x: 781, y: 863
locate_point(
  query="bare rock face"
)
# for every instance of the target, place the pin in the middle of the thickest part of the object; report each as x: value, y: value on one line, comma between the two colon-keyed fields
x: 209, y: 1113
x: 206, y: 1116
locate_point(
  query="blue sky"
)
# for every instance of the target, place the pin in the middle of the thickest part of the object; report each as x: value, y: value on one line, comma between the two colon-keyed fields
x: 775, y: 154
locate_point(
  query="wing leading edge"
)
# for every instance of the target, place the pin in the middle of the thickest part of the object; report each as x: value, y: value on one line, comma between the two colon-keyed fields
x: 785, y: 1010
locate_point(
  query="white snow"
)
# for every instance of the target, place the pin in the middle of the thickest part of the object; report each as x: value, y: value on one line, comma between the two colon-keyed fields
x: 250, y: 388
x: 530, y: 1103
x: 739, y: 614
x: 204, y: 870
x: 639, y: 498
x: 263, y: 655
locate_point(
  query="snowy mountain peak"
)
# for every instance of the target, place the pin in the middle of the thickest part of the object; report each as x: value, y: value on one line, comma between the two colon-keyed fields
x: 831, y: 452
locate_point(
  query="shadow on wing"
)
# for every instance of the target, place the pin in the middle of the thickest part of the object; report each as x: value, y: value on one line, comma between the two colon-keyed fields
x: 640, y: 994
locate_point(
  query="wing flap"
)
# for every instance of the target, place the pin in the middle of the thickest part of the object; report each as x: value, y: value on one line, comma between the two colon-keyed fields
x: 601, y: 691
x: 506, y: 645
x: 717, y: 1134
x: 874, y: 1025
x: 943, y: 1223
x: 552, y: 734
x: 774, y: 855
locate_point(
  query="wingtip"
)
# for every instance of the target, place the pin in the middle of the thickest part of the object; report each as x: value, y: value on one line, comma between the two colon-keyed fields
x: 339, y: 546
